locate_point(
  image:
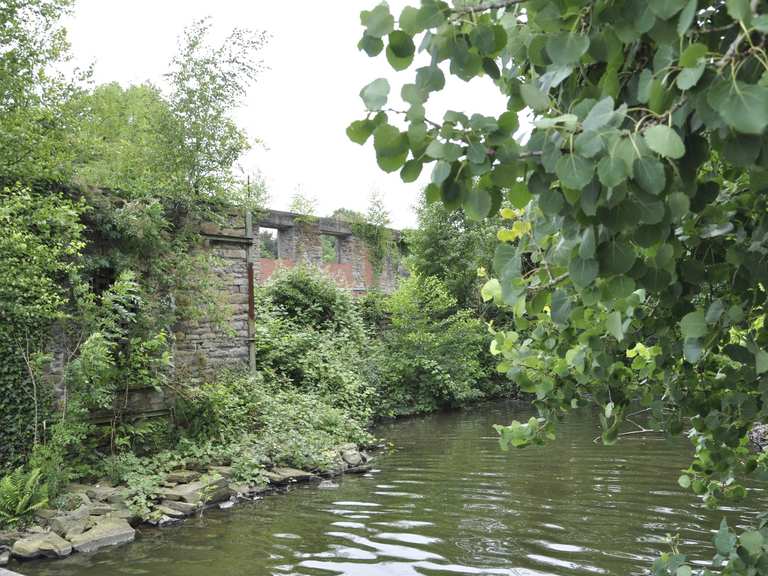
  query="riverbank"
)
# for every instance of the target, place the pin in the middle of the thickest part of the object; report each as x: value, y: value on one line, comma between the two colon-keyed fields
x: 99, y: 516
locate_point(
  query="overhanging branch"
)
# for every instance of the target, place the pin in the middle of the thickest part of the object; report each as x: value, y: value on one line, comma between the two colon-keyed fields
x: 487, y: 6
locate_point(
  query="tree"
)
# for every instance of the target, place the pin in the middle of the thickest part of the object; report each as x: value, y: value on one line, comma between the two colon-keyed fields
x: 638, y: 245
x: 36, y: 125
x: 207, y: 84
x: 449, y: 246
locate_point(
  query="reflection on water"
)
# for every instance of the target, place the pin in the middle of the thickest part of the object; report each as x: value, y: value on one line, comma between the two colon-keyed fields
x: 448, y: 501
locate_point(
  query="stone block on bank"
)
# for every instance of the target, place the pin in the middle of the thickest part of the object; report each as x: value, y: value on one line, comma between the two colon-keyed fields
x: 48, y: 545
x: 184, y: 508
x: 207, y: 490
x: 183, y: 476
x: 107, y: 532
x: 283, y: 475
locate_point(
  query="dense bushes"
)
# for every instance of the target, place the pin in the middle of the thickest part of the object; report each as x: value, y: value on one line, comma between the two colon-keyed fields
x: 431, y: 354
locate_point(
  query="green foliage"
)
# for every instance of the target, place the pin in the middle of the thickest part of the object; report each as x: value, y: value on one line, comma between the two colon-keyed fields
x: 451, y: 247
x: 311, y: 299
x: 272, y: 422
x: 40, y: 241
x: 21, y: 493
x: 637, y: 268
x: 431, y: 355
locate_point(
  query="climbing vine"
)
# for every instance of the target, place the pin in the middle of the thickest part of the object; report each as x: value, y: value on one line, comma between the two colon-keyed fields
x: 40, y: 241
x: 635, y: 259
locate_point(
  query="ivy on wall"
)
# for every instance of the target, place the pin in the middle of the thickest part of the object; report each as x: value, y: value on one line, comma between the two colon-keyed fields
x: 40, y: 241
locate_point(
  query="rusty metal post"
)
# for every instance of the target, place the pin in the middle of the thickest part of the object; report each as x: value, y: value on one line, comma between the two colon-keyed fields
x: 249, y: 257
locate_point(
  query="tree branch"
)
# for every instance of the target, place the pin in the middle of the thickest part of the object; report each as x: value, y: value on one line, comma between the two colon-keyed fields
x: 487, y: 6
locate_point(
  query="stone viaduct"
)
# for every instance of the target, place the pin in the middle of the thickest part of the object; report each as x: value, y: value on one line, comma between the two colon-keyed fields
x: 203, y: 347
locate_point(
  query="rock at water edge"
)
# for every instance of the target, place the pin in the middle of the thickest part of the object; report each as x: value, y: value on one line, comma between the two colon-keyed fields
x: 108, y: 532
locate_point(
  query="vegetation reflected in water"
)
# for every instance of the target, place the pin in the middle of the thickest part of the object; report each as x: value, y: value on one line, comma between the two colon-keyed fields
x: 448, y: 501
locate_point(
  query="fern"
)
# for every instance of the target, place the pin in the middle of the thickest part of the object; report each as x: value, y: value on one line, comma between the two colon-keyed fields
x: 21, y: 494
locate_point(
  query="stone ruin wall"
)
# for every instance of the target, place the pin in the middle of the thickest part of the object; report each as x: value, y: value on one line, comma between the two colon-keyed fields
x: 204, y: 347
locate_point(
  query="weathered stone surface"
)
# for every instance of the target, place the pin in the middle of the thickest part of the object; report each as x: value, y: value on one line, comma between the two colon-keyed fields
x: 170, y: 512
x: 183, y: 476
x: 282, y: 475
x: 108, y: 532
x: 68, y: 526
x: 100, y: 509
x: 100, y: 493
x: 49, y: 545
x: 8, y: 537
x: 5, y: 555
x: 206, y: 490
x: 119, y: 496
x: 225, y: 471
x: 44, y: 515
x: 352, y: 457
x: 182, y: 507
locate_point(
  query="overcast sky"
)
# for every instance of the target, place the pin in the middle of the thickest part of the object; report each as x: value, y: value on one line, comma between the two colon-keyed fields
x: 300, y: 106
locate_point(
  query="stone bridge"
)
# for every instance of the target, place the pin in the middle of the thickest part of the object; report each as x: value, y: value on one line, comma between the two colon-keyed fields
x: 203, y: 347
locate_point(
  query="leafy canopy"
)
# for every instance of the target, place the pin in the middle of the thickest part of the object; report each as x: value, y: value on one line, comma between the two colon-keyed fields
x: 637, y: 264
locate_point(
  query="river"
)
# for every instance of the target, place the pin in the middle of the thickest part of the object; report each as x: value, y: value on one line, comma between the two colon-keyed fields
x: 447, y: 501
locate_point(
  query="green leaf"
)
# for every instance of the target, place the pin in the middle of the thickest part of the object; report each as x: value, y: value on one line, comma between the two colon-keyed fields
x: 375, y: 94
x: 491, y: 290
x: 360, y: 130
x: 478, y: 204
x: 560, y: 310
x: 582, y: 271
x: 430, y: 79
x: 665, y: 9
x: 587, y: 246
x: 588, y: 144
x: 694, y: 325
x: 411, y: 171
x: 649, y: 174
x: 574, y: 171
x: 566, y: 48
x: 744, y: 107
x: 600, y: 115
x: 725, y: 541
x: 378, y: 22
x: 537, y: 100
x: 441, y: 171
x: 518, y: 195
x: 739, y: 10
x: 686, y: 17
x: 692, y: 350
x: 614, y: 325
x: 399, y: 63
x: 684, y: 481
x: 690, y: 56
x: 616, y: 257
x: 650, y: 209
x: 760, y: 23
x: 611, y: 171
x: 752, y: 542
x: 370, y: 45
x: 761, y: 362
x: 391, y: 147
x: 679, y: 205
x: 409, y: 20
x: 689, y: 77
x: 664, y: 141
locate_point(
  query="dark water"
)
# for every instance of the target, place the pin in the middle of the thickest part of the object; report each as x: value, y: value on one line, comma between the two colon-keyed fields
x: 448, y: 502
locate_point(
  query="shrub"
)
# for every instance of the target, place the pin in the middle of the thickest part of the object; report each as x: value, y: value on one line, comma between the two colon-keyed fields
x: 311, y: 299
x: 21, y: 493
x: 432, y: 355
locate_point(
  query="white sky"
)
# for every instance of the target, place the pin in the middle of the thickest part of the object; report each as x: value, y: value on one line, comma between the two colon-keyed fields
x: 300, y: 107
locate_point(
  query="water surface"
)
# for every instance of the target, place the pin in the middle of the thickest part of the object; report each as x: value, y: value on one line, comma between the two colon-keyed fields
x: 447, y: 501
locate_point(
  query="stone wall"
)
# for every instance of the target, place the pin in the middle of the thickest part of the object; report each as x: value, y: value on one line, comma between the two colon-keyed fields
x: 204, y: 347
